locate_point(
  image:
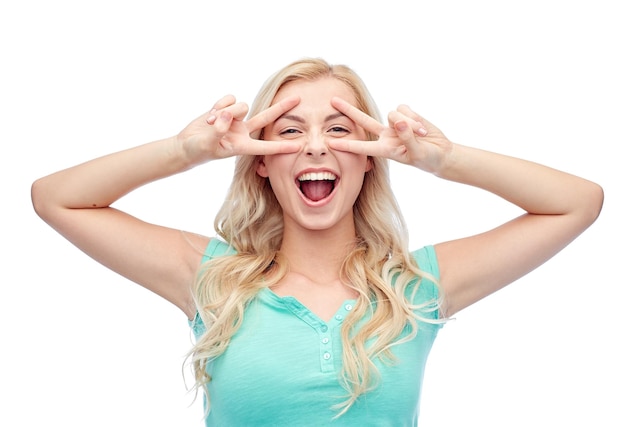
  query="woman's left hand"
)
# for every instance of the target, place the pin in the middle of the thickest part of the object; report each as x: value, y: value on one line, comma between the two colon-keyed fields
x: 408, y: 138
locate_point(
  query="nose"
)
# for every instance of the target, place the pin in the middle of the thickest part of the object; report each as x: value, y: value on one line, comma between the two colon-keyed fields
x: 316, y: 146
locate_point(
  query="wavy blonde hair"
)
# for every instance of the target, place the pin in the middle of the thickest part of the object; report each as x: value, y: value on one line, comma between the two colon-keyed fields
x: 379, y: 267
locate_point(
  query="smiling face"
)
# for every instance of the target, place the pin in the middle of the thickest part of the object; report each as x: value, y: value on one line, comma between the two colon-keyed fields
x: 316, y: 187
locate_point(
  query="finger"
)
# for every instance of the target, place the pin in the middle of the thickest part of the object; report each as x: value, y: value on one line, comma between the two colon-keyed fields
x: 223, y: 102
x: 271, y: 114
x: 238, y: 110
x: 263, y: 148
x: 396, y: 117
x: 211, y: 117
x: 359, y: 117
x: 420, y: 123
x: 368, y: 148
x: 402, y: 127
x: 223, y: 121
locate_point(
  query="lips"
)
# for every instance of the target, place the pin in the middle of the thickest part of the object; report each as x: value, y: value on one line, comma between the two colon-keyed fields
x: 316, y: 186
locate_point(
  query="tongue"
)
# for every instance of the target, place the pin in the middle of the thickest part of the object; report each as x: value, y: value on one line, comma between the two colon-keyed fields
x: 316, y: 190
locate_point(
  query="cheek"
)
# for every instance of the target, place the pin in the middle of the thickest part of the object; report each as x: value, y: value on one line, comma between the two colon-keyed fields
x: 360, y: 166
x: 276, y: 169
x: 362, y: 163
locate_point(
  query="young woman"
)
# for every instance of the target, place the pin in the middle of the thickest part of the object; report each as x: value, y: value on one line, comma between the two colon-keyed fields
x: 309, y: 308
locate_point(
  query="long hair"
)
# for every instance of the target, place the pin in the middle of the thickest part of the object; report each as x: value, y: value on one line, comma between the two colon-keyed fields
x: 379, y: 267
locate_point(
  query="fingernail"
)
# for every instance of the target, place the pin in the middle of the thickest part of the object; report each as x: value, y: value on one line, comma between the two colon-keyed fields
x: 422, y: 131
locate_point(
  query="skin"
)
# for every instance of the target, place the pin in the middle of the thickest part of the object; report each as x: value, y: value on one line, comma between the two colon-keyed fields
x: 327, y: 226
x: 76, y: 201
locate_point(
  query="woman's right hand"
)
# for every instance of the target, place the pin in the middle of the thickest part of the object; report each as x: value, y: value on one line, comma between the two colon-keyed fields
x: 223, y: 132
x: 77, y: 201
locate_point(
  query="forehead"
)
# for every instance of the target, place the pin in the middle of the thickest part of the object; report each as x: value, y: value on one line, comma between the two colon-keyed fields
x: 319, y: 91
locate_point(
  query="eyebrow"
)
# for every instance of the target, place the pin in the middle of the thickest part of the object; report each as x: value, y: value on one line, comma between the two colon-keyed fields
x: 301, y: 120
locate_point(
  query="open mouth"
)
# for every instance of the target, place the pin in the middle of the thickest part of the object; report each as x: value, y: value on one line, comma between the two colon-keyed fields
x: 316, y: 186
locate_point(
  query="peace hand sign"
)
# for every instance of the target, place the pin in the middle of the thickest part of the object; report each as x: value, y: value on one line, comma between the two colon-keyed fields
x: 223, y: 132
x: 408, y: 138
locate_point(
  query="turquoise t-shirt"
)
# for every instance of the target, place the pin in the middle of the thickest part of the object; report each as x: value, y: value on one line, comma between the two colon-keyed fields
x: 281, y: 367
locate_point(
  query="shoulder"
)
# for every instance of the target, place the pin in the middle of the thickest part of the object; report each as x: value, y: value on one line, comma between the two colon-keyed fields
x: 426, y: 259
x: 424, y: 290
x: 215, y: 248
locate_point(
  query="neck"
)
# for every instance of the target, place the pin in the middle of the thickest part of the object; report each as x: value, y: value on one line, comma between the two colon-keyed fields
x: 317, y: 254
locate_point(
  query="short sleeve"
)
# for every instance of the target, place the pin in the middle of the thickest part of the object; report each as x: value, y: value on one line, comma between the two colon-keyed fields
x: 215, y: 248
x: 428, y: 291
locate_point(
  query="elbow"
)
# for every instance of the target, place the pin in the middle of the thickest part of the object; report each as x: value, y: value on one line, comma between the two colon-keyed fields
x: 593, y: 198
x: 38, y: 198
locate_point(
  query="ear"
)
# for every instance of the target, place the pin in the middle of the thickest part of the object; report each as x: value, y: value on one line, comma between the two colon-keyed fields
x: 261, y: 169
x: 369, y: 165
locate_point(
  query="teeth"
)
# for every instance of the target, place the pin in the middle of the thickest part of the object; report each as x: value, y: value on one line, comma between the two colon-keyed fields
x: 317, y: 176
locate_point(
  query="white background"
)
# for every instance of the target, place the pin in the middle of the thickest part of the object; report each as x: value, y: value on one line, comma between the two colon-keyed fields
x: 542, y: 80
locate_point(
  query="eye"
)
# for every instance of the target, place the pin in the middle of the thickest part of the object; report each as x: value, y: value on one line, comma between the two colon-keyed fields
x: 338, y: 129
x: 290, y: 131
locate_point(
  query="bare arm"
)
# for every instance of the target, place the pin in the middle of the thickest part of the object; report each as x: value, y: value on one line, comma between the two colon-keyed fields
x: 559, y: 206
x: 77, y: 201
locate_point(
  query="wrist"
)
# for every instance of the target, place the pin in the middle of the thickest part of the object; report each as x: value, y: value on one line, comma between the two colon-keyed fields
x: 449, y: 159
x: 181, y: 153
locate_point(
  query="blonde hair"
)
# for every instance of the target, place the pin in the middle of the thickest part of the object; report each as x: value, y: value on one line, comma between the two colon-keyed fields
x: 379, y: 267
